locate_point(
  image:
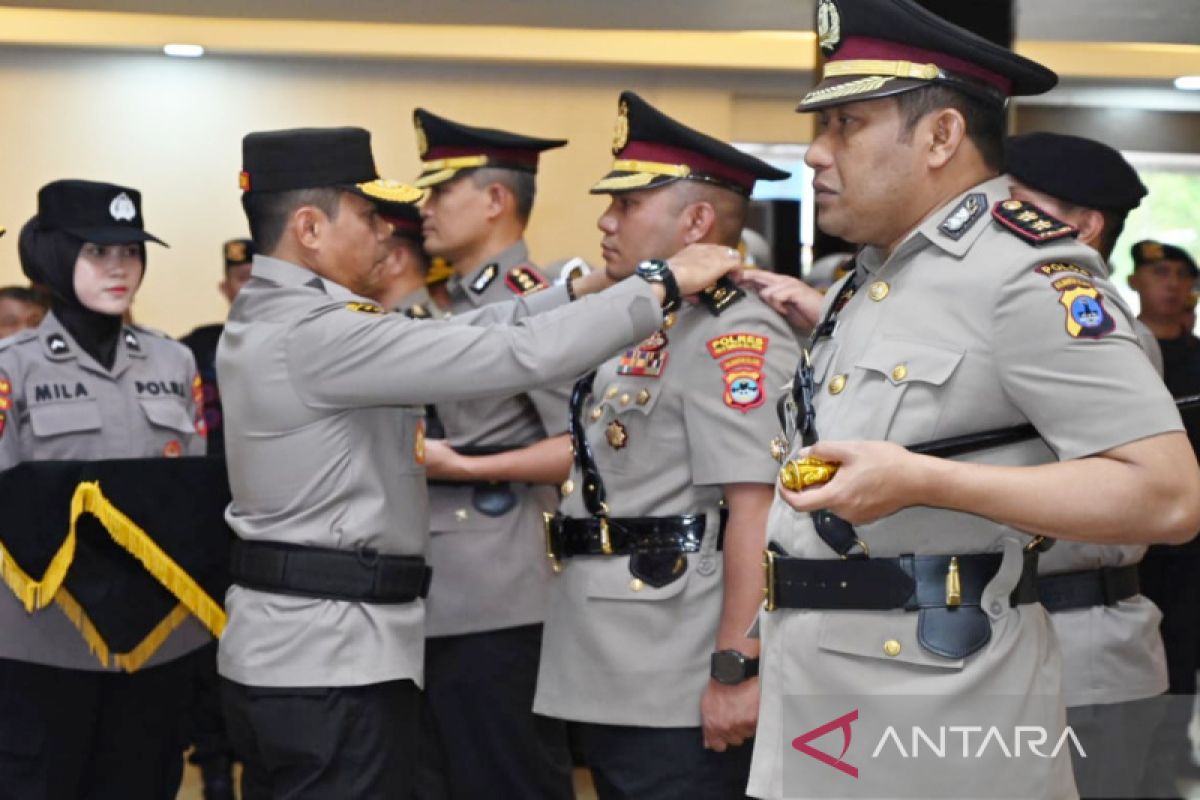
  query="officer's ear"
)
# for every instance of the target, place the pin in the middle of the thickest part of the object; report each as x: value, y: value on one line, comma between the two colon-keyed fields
x: 698, y: 219
x: 947, y: 130
x: 1091, y: 227
x: 306, y: 225
x: 498, y: 199
x: 1134, y: 281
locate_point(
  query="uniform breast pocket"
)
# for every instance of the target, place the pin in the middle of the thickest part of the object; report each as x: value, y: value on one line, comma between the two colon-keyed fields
x: 614, y: 582
x: 881, y: 636
x: 620, y: 416
x: 168, y: 415
x: 902, y: 388
x: 54, y: 420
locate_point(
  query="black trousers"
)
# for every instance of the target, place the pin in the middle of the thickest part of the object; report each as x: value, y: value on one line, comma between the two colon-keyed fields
x: 348, y: 742
x: 70, y: 734
x: 630, y: 763
x: 206, y: 729
x: 482, y: 738
x: 1117, y: 738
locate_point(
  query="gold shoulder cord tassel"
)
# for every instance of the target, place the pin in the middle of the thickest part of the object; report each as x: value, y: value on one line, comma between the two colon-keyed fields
x: 800, y: 473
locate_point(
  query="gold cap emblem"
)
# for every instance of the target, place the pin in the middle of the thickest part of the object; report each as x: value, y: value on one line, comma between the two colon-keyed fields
x: 235, y: 251
x: 621, y: 132
x: 422, y: 141
x: 829, y: 26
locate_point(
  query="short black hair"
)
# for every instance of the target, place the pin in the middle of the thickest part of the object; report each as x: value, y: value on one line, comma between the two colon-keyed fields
x: 523, y: 186
x: 985, y: 120
x: 24, y: 294
x: 268, y: 212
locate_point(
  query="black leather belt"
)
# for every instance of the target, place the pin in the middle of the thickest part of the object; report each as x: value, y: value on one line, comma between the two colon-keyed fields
x: 909, y: 582
x: 1106, y: 586
x: 624, y: 536
x: 355, y: 575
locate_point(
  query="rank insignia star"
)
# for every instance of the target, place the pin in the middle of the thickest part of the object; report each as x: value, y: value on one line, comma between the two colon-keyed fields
x: 616, y: 434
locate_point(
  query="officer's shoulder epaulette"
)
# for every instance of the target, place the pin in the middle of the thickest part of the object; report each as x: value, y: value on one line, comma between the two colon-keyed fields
x: 525, y: 280
x: 720, y: 296
x: 1030, y: 223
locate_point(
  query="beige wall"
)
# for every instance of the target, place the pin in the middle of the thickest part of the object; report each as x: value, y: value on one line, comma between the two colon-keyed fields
x: 172, y: 128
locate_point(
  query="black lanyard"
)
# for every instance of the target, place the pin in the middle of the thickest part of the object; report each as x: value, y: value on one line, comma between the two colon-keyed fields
x: 593, y: 486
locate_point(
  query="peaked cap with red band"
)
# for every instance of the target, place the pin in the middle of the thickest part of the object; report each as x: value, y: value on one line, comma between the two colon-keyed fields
x: 879, y: 48
x: 447, y: 147
x: 653, y: 150
x: 405, y: 219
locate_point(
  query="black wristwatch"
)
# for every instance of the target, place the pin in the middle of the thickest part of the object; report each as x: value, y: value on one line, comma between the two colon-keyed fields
x: 731, y: 667
x: 658, y: 271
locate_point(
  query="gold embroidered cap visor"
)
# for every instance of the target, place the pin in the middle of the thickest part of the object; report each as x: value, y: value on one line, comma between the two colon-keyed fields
x: 854, y: 88
x: 629, y: 175
x: 388, y: 191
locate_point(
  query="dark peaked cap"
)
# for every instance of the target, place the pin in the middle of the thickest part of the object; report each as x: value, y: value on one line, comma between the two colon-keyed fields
x: 1077, y: 170
x: 879, y: 48
x: 653, y: 150
x: 446, y: 147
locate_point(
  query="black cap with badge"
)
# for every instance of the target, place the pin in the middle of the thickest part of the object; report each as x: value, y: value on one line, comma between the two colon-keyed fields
x: 653, y: 150
x: 101, y: 213
x: 1149, y: 251
x: 880, y: 48
x: 1080, y: 171
x: 310, y: 158
x: 447, y: 147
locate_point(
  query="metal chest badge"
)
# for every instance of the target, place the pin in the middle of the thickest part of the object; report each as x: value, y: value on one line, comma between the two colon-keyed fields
x: 616, y: 434
x: 648, y: 359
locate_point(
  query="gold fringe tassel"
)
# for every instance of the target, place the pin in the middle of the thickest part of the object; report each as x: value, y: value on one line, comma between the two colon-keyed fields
x: 37, y: 594
x: 95, y: 642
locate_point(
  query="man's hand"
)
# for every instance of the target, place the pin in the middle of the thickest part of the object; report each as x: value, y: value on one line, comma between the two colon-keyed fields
x: 792, y: 298
x: 698, y: 266
x: 729, y: 713
x: 443, y: 463
x: 874, y: 480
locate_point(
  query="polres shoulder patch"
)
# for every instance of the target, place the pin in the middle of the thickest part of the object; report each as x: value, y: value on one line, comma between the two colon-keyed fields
x: 1030, y: 223
x: 525, y: 280
x: 365, y: 308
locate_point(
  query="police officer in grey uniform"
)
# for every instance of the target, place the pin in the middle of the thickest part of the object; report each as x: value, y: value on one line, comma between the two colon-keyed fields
x: 84, y: 386
x: 967, y: 310
x: 484, y: 612
x: 407, y: 264
x: 1108, y: 631
x: 323, y: 651
x: 658, y: 539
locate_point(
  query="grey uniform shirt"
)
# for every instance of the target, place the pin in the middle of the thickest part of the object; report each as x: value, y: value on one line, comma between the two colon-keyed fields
x: 491, y: 570
x: 669, y: 423
x: 67, y: 407
x: 955, y: 334
x: 324, y: 412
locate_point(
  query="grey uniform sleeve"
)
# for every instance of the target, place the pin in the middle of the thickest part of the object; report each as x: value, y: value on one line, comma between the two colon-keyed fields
x: 1068, y: 357
x: 729, y: 410
x: 507, y: 313
x: 551, y: 404
x: 340, y: 358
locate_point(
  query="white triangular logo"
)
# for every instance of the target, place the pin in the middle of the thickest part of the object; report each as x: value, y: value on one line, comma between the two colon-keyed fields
x: 122, y: 207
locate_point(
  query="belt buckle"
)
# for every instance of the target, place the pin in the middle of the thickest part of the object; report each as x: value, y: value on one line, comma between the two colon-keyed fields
x: 548, y: 528
x: 769, y: 578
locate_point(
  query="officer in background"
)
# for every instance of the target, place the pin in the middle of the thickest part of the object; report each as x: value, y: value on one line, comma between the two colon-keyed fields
x: 484, y: 612
x: 322, y: 655
x: 20, y: 307
x: 966, y: 311
x: 238, y: 254
x: 661, y: 525
x: 1108, y: 632
x: 407, y: 265
x: 1163, y: 276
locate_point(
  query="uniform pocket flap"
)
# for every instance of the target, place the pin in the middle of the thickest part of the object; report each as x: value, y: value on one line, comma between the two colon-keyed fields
x: 615, y: 582
x: 879, y: 635
x: 54, y: 419
x: 167, y: 413
x: 901, y: 361
x: 630, y: 395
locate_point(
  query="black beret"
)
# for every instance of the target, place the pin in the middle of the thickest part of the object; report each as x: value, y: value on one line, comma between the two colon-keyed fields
x: 879, y: 48
x: 1077, y: 170
x: 103, y: 213
x: 1149, y: 251
x: 446, y: 147
x: 653, y: 150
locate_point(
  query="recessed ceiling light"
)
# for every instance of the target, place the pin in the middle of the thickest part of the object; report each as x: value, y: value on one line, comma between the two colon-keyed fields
x: 183, y: 50
x: 1188, y: 83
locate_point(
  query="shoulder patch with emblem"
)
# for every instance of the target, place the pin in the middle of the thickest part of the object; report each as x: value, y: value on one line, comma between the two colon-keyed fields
x: 200, y: 421
x: 1055, y: 269
x: 742, y: 361
x: 1030, y: 223
x: 1086, y: 316
x: 365, y: 308
x: 484, y: 279
x: 964, y: 216
x: 720, y: 296
x: 524, y: 281
x: 5, y: 402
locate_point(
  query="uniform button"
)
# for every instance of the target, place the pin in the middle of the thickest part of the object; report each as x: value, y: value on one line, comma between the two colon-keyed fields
x: 997, y: 609
x: 643, y: 397
x: 899, y: 372
x: 611, y: 393
x: 891, y: 647
x: 567, y: 487
x: 461, y: 515
x: 636, y: 584
x: 878, y: 290
x: 625, y: 399
x: 836, y: 384
x: 597, y: 412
